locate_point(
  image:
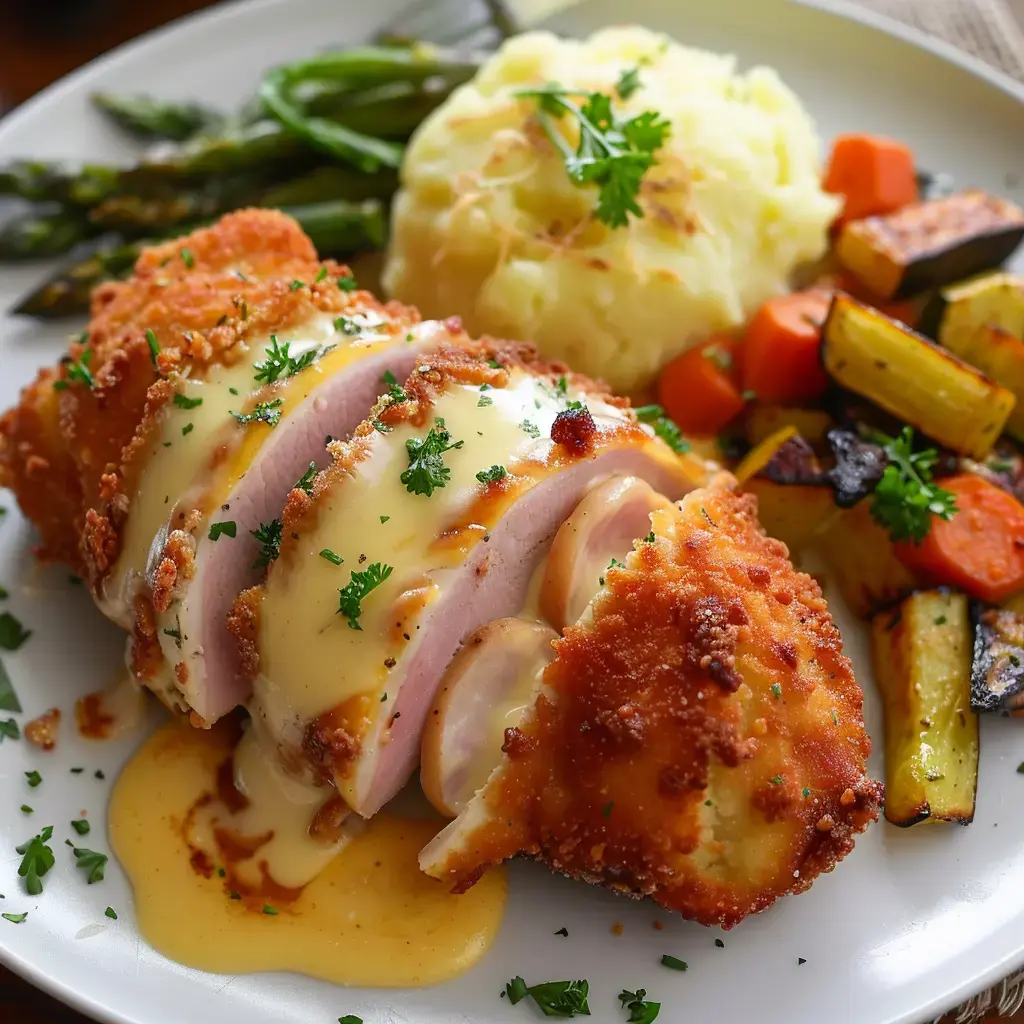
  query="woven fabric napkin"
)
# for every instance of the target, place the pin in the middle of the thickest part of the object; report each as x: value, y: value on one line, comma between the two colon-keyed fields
x: 984, y: 28
x: 988, y: 30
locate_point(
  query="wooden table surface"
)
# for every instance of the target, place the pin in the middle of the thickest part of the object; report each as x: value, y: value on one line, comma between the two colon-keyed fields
x: 31, y: 57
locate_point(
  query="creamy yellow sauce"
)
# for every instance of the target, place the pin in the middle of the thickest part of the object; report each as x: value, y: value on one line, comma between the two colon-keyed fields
x: 370, y: 918
x: 311, y: 660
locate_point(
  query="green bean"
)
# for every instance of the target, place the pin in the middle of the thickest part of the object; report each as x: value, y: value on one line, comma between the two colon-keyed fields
x: 146, y: 118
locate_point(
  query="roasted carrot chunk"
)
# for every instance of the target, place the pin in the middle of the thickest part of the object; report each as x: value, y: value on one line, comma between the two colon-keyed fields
x: 700, y: 389
x: 981, y: 549
x: 781, y: 361
x: 873, y: 174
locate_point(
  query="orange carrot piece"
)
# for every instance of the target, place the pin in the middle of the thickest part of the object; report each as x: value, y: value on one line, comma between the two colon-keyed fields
x: 875, y: 175
x: 980, y: 550
x: 781, y: 359
x: 699, y: 389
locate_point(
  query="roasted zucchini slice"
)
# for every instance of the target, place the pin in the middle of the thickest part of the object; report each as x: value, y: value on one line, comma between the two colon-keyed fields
x: 954, y: 314
x: 913, y: 379
x: 931, y: 244
x: 997, y: 675
x: 860, y: 562
x: 922, y: 657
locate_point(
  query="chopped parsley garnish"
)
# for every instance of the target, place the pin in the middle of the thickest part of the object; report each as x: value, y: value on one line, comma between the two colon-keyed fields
x: 347, y: 326
x: 530, y: 428
x: 350, y: 1018
x: 33, y: 778
x: 331, y: 556
x: 269, y: 910
x: 654, y: 416
x: 91, y: 862
x: 427, y: 470
x: 389, y: 378
x: 492, y: 475
x: 613, y: 153
x: 347, y: 283
x: 719, y: 943
x: 174, y: 634
x: 384, y: 519
x: 906, y: 497
x: 25, y: 809
x: 263, y: 412
x: 322, y: 275
x: 81, y: 826
x: 483, y: 401
x: 801, y: 960
x: 941, y: 620
x: 641, y: 1010
x: 629, y: 82
x: 749, y: 396
x: 278, y: 363
x: 111, y: 913
x: 606, y: 811
x: 674, y: 962
x: 777, y: 691
x: 154, y: 346
x: 615, y: 562
x: 397, y: 394
x: 9, y: 729
x: 350, y: 596
x: 184, y: 402
x: 268, y: 535
x: 232, y: 391
x: 77, y: 371
x: 805, y: 792
x: 776, y: 780
x: 188, y: 259
x: 305, y: 482
x: 225, y: 529
x: 15, y: 918
x: 554, y: 998
x: 8, y: 698
x: 36, y: 860
x: 187, y: 429
x: 296, y: 285
x: 649, y: 539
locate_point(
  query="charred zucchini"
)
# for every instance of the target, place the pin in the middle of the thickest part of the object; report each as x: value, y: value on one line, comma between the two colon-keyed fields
x: 930, y: 244
x: 861, y: 564
x: 997, y: 675
x: 913, y: 379
x: 955, y: 314
x: 922, y: 659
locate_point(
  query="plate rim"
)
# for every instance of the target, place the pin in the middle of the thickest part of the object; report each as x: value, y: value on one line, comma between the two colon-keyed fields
x: 223, y: 13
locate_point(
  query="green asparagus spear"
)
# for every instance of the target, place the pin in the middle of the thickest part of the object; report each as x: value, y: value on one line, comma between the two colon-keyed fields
x: 336, y: 228
x: 354, y: 70
x: 148, y: 118
x: 42, y: 181
x: 42, y: 232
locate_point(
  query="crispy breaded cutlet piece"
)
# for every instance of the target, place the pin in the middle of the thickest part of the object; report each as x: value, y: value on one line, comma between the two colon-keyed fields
x: 65, y: 452
x: 698, y: 739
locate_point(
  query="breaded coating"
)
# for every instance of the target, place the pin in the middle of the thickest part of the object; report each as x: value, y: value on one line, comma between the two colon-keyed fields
x: 190, y: 304
x: 698, y: 739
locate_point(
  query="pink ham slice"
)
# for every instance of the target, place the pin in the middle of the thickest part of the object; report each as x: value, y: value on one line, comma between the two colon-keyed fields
x: 215, y: 684
x: 492, y: 583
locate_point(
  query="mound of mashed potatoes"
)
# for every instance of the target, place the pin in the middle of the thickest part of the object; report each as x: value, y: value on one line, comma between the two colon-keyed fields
x: 489, y: 226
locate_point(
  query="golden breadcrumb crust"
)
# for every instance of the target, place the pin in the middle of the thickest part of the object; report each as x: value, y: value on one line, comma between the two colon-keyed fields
x: 699, y: 740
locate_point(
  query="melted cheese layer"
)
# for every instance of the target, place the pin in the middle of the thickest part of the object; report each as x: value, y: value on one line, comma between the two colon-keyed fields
x: 370, y: 918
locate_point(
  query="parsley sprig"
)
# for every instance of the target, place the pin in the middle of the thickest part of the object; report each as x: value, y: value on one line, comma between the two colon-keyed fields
x: 906, y: 497
x: 268, y: 536
x: 654, y: 416
x: 263, y: 412
x: 279, y: 363
x: 36, y: 860
x: 427, y: 471
x: 350, y: 596
x: 91, y: 862
x: 77, y: 370
x: 613, y: 153
x: 555, y: 998
x: 641, y: 1009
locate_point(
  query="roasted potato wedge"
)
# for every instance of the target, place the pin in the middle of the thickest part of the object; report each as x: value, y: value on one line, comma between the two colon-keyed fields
x: 796, y: 514
x: 860, y: 562
x: 1000, y: 356
x: 930, y: 244
x: 955, y: 313
x: 922, y: 657
x: 997, y: 673
x: 764, y: 420
x: 913, y: 379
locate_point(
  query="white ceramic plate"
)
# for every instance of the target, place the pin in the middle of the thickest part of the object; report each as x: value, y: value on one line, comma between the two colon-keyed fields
x: 910, y: 924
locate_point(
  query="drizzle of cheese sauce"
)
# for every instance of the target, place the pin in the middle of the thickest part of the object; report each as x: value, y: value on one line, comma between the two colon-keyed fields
x: 312, y: 661
x: 369, y: 918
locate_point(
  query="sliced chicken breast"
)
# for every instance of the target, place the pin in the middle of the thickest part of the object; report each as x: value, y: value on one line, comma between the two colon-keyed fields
x: 428, y: 525
x: 697, y: 738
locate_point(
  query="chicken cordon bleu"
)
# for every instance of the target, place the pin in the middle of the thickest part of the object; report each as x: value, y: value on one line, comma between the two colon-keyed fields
x: 396, y: 545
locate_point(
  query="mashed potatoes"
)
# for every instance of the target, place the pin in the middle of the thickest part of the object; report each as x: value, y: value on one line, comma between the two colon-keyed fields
x: 489, y: 226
